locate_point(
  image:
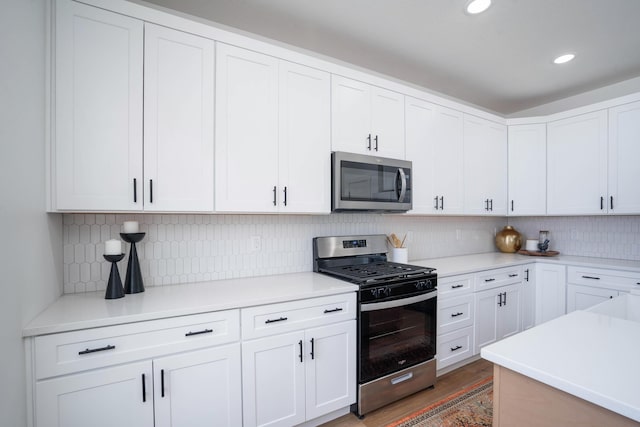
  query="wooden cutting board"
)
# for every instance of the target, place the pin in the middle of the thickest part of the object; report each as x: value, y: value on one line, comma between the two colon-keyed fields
x: 538, y: 253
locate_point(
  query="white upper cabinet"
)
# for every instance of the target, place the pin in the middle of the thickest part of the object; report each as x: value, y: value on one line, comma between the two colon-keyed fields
x: 246, y: 153
x: 366, y: 119
x: 577, y: 165
x: 485, y: 167
x: 527, y: 169
x: 305, y: 140
x: 272, y: 135
x: 434, y: 143
x: 178, y: 120
x: 97, y: 144
x: 624, y: 154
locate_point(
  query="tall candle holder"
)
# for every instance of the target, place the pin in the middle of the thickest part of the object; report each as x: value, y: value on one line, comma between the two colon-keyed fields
x: 133, y: 281
x: 114, y: 285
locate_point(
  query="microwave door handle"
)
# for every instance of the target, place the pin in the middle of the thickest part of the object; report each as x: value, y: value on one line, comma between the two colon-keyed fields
x: 403, y: 185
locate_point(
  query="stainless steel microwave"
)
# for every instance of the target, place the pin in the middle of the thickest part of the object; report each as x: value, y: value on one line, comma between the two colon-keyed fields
x: 368, y: 183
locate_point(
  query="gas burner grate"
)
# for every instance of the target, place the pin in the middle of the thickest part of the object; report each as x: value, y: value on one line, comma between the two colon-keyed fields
x: 375, y: 271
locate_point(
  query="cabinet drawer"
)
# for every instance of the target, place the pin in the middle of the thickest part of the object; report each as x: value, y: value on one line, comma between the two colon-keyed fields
x: 455, y: 313
x: 273, y: 319
x: 454, y: 286
x: 496, y: 278
x: 455, y: 346
x: 603, y: 278
x: 68, y: 352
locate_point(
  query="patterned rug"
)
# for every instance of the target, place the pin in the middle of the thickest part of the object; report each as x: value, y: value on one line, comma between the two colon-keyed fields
x: 471, y: 407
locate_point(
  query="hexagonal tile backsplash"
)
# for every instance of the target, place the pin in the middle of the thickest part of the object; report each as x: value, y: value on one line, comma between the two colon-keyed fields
x: 197, y: 248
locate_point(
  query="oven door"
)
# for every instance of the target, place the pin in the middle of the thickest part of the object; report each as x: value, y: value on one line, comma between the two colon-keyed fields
x: 396, y: 334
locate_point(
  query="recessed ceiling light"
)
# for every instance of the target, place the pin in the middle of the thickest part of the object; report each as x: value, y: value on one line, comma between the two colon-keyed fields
x: 477, y: 6
x: 564, y: 58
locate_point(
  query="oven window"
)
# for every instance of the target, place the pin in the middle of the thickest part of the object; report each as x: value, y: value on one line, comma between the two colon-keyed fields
x: 392, y: 339
x: 368, y: 182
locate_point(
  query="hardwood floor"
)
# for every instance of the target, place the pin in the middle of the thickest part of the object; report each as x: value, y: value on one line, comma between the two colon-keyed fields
x: 447, y: 384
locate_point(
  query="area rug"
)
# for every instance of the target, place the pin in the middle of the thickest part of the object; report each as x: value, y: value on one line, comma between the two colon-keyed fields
x: 471, y: 407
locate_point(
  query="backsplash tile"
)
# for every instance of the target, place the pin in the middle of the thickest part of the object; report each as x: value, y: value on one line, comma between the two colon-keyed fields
x: 196, y: 248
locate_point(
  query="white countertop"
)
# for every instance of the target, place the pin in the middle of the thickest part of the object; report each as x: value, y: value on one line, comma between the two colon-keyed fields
x: 91, y: 310
x: 451, y: 266
x: 590, y: 355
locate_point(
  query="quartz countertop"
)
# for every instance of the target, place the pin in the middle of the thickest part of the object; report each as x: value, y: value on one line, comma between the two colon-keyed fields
x: 451, y: 266
x: 588, y: 354
x: 90, y: 310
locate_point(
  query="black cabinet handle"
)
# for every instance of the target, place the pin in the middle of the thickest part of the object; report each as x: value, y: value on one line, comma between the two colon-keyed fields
x: 144, y: 389
x: 486, y: 205
x: 300, y: 344
x: 611, y: 202
x: 95, y: 350
x: 591, y: 277
x: 505, y: 298
x: 500, y: 299
x: 162, y: 383
x: 204, y: 331
x: 150, y: 191
x: 376, y: 140
x: 512, y: 206
x: 435, y: 199
x: 489, y: 280
x: 333, y: 310
x: 457, y: 286
x: 456, y: 314
x: 285, y: 195
x: 280, y: 319
x: 274, y: 195
x: 441, y: 202
x: 513, y: 275
x: 601, y: 203
x: 491, y: 204
x: 526, y: 277
x: 456, y: 348
x: 369, y: 142
x: 312, y: 349
x: 135, y: 190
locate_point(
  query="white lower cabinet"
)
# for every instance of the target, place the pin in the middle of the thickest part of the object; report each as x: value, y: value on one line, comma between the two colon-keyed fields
x: 551, y: 289
x: 455, y: 320
x: 529, y: 296
x: 582, y: 297
x: 497, y: 314
x: 301, y: 363
x: 590, y: 286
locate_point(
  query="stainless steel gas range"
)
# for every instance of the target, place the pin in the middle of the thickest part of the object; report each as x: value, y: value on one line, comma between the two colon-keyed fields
x: 397, y: 308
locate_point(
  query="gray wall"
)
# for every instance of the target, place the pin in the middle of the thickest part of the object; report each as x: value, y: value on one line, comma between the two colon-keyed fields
x: 30, y: 254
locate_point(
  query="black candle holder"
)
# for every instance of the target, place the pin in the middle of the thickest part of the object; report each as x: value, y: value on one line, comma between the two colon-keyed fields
x: 114, y: 285
x: 133, y: 281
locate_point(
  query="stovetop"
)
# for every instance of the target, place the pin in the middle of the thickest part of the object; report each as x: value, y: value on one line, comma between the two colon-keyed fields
x: 376, y: 271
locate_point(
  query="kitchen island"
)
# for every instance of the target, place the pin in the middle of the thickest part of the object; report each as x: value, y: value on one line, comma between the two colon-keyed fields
x: 579, y: 369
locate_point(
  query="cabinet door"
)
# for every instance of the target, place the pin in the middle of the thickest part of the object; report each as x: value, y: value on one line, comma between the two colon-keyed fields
x: 527, y: 169
x: 551, y: 290
x: 178, y: 120
x: 485, y: 167
x: 350, y: 116
x: 577, y: 165
x: 246, y: 151
x: 434, y: 144
x: 624, y: 152
x: 199, y: 388
x: 97, y: 148
x: 529, y: 297
x: 582, y: 297
x: 509, y: 313
x: 330, y: 364
x: 387, y: 121
x: 305, y: 140
x: 117, y: 396
x: 273, y: 383
x: 486, y: 318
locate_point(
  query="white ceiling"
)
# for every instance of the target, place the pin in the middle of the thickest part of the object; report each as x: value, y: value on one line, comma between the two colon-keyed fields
x: 500, y: 60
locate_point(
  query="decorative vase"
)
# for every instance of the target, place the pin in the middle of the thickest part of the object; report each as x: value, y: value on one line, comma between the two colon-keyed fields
x: 508, y: 240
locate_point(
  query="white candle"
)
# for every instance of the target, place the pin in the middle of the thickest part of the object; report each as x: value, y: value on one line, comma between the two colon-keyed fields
x: 113, y: 247
x: 130, y: 227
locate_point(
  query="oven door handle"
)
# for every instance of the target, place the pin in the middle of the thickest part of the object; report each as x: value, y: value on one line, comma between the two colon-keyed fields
x: 397, y: 302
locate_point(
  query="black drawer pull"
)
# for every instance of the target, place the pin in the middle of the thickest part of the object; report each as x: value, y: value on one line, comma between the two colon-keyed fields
x: 456, y: 348
x: 513, y: 275
x: 95, y: 350
x: 204, y: 331
x: 162, y: 383
x: 457, y: 286
x: 333, y: 310
x: 591, y: 277
x: 144, y: 389
x: 489, y: 280
x: 281, y: 319
x: 456, y: 314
